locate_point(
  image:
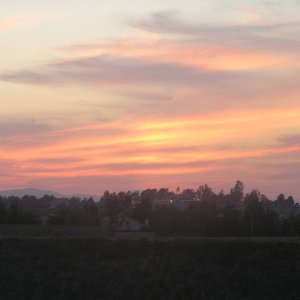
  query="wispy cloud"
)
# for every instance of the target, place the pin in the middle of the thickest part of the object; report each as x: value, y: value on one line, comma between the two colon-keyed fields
x: 106, y: 69
x: 212, y: 55
x: 218, y: 54
x: 293, y: 139
x: 152, y: 147
x: 172, y: 81
x: 16, y: 128
x: 196, y: 103
x: 170, y: 23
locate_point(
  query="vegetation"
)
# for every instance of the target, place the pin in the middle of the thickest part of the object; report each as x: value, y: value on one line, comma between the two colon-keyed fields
x: 102, y: 269
x: 199, y: 212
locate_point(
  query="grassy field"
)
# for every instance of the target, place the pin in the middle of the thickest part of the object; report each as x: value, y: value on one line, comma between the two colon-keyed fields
x: 190, y: 269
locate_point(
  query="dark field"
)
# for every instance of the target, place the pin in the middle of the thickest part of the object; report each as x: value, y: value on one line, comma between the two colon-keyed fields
x: 102, y: 269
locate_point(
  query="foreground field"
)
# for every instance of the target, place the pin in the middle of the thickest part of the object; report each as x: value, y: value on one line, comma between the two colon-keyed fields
x: 102, y: 269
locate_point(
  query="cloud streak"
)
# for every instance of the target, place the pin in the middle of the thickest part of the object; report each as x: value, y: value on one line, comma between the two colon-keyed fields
x: 290, y: 139
x: 15, y: 128
x: 169, y: 101
x: 169, y: 23
x: 160, y: 147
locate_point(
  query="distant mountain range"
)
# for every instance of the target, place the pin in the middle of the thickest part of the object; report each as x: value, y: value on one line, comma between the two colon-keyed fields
x: 40, y: 193
x: 30, y: 192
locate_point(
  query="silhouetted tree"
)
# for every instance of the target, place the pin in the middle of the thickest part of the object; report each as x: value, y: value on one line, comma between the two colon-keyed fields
x: 150, y: 194
x: 188, y: 194
x: 2, y: 213
x: 205, y: 193
x: 201, y: 217
x: 143, y: 210
x: 163, y: 194
x: 236, y: 193
x: 290, y: 202
x: 229, y: 222
x: 167, y: 219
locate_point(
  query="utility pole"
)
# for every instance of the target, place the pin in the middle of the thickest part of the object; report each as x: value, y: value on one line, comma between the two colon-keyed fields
x: 252, y: 225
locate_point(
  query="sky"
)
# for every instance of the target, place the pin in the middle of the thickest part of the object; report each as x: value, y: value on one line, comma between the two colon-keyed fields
x: 126, y: 95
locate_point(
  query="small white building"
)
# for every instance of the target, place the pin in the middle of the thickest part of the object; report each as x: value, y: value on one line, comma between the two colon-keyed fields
x: 128, y: 224
x: 45, y: 218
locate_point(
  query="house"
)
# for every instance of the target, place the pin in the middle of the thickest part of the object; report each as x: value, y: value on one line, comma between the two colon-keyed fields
x: 45, y: 218
x: 128, y: 224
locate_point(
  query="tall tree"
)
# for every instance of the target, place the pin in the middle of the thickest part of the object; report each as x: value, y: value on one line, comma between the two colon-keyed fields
x: 236, y: 194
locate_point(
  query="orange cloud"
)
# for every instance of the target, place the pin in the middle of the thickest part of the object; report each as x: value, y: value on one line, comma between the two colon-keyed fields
x: 161, y: 90
x: 188, y: 54
x: 149, y: 147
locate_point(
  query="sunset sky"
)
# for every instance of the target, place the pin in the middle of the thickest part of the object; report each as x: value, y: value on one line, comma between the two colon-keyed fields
x: 126, y: 95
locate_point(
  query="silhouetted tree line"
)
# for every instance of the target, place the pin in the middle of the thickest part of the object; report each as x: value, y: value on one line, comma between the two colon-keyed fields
x: 188, y: 212
x: 13, y: 214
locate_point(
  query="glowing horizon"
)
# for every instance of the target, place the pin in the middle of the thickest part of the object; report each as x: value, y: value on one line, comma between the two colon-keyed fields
x: 126, y: 96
